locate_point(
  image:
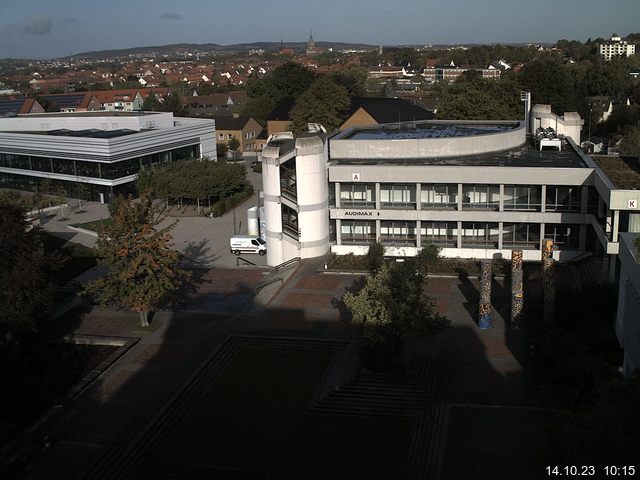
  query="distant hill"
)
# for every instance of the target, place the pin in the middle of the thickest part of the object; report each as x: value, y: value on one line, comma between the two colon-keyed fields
x: 214, y: 47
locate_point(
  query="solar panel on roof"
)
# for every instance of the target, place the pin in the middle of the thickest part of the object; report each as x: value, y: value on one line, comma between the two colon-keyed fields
x: 10, y: 106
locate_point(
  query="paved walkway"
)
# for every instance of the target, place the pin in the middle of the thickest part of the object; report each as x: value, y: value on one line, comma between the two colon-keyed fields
x: 479, y: 367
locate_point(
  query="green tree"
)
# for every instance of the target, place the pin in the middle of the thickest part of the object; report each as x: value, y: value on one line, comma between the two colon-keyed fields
x: 324, y: 102
x: 26, y: 290
x: 391, y: 304
x: 427, y: 258
x: 143, y: 272
x: 630, y: 146
x: 233, y: 144
x: 353, y: 79
x: 375, y: 256
x: 221, y: 149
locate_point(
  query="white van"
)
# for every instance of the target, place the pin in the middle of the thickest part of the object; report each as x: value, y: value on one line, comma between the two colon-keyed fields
x: 247, y: 244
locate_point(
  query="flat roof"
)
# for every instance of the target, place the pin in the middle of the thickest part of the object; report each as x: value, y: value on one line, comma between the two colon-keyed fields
x: 423, y: 130
x: 525, y: 156
x: 98, y: 113
x: 87, y: 133
x: 624, y: 173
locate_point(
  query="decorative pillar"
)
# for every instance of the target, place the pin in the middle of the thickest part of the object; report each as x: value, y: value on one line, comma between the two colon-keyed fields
x: 485, y: 296
x: 517, y: 288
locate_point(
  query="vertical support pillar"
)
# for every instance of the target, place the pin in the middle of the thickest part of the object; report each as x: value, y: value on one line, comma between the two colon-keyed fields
x: 418, y: 196
x: 501, y: 198
x: 517, y: 288
x: 584, y: 200
x: 418, y: 235
x: 460, y: 197
x: 484, y: 321
x: 459, y: 241
x: 549, y: 286
x: 500, y: 229
x: 377, y: 195
x: 543, y: 198
x: 337, y: 194
x: 338, y: 231
x: 378, y: 225
x: 616, y: 225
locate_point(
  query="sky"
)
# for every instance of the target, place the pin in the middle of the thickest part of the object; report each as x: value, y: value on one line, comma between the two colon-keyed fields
x: 56, y: 28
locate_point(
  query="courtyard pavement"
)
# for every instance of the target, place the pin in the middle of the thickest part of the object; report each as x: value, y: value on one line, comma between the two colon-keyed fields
x: 203, y: 240
x: 482, y: 373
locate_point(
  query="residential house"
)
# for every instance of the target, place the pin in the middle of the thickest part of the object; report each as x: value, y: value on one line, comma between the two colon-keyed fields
x: 245, y: 129
x: 19, y: 106
x: 376, y: 111
x: 616, y: 47
x: 73, y: 102
x: 592, y: 145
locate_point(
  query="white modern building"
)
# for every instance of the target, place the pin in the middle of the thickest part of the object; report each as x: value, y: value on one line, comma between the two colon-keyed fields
x: 616, y: 47
x: 103, y: 150
x: 475, y: 189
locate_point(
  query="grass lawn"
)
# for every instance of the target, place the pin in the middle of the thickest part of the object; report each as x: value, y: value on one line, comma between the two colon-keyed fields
x: 252, y: 418
x: 95, y: 225
x: 81, y: 258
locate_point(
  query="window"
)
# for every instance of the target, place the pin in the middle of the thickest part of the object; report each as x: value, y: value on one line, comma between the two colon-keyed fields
x: 522, y: 197
x: 229, y: 136
x: 398, y: 232
x: 359, y: 195
x: 521, y: 235
x: 397, y: 195
x: 563, y: 199
x: 290, y: 222
x: 442, y: 196
x: 482, y: 197
x: 442, y: 234
x: 480, y: 235
x: 565, y: 237
x: 221, y: 136
x: 359, y: 232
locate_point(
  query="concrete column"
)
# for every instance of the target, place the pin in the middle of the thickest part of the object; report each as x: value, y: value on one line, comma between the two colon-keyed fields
x: 484, y: 310
x: 459, y: 234
x: 582, y: 238
x: 418, y: 196
x: 418, y: 236
x: 517, y: 288
x: 337, y: 194
x: 541, y: 236
x: 609, y: 223
x: 377, y: 230
x: 616, y: 225
x: 543, y: 198
x: 612, y: 267
x: 584, y: 200
x: 338, y: 232
x: 377, y: 196
x: 459, y: 196
x: 501, y: 199
x: 500, y: 227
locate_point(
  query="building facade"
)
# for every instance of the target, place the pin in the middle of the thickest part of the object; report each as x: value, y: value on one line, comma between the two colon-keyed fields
x: 103, y: 151
x: 616, y: 47
x: 628, y: 316
x: 475, y: 189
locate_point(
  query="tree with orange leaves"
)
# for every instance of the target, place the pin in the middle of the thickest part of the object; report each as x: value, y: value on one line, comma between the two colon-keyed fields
x: 143, y: 267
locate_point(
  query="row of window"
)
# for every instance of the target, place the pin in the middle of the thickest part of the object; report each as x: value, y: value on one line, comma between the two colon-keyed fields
x: 445, y: 234
x: 109, y: 171
x: 446, y: 196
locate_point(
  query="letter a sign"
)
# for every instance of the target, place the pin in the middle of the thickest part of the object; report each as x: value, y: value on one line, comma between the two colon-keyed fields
x: 355, y: 177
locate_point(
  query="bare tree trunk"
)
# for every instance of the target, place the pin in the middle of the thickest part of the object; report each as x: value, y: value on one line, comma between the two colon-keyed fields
x: 144, y: 318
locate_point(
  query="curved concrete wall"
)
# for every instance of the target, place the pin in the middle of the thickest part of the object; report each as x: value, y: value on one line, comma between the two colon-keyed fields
x: 313, y: 193
x: 272, y: 212
x: 342, y: 147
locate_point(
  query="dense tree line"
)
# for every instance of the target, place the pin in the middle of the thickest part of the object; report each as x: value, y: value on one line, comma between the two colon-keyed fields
x: 196, y: 181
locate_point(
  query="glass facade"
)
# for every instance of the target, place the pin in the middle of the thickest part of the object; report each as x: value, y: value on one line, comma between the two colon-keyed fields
x: 522, y: 197
x: 106, y: 170
x: 565, y: 237
x: 521, y: 235
x: 398, y: 195
x: 398, y: 232
x: 481, y: 197
x: 288, y: 187
x: 360, y: 232
x: 439, y: 196
x: 357, y: 195
x: 442, y: 234
x: 563, y: 199
x: 480, y: 235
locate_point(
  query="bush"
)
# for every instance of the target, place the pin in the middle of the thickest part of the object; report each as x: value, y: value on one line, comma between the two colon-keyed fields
x: 257, y: 167
x: 221, y: 207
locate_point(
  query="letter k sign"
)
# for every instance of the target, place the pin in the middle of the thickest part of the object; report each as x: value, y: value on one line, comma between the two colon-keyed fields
x: 632, y: 204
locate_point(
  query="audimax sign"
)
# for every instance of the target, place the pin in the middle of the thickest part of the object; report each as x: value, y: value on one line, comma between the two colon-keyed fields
x: 360, y: 213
